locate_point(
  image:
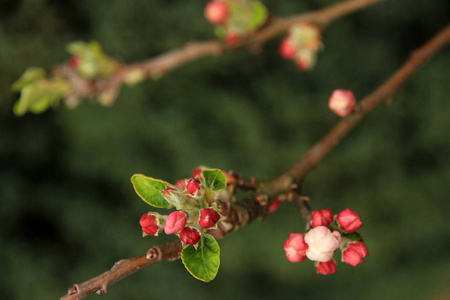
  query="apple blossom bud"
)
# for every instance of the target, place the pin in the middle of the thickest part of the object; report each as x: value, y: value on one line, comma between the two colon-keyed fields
x: 342, y: 102
x: 355, y: 253
x: 295, y: 247
x: 197, y: 173
x: 149, y: 224
x: 326, y: 268
x: 74, y: 62
x: 181, y: 184
x: 232, y: 39
x: 273, y: 207
x: 193, y: 186
x: 175, y: 222
x: 208, y: 217
x: 189, y: 236
x: 287, y: 50
x: 349, y: 220
x: 321, y: 243
x: 321, y: 217
x: 168, y: 190
x: 216, y: 12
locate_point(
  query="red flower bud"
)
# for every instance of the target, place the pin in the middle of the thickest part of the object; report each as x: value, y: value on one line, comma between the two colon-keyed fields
x: 189, y: 236
x: 208, y: 217
x: 349, y: 220
x: 197, y: 173
x: 233, y: 39
x: 74, y: 62
x: 193, y: 186
x: 273, y: 207
x: 169, y: 190
x: 217, y: 12
x: 355, y: 253
x: 326, y: 268
x: 342, y: 102
x: 321, y: 217
x: 181, y: 184
x: 175, y: 222
x: 149, y: 224
x: 287, y: 50
x: 295, y: 247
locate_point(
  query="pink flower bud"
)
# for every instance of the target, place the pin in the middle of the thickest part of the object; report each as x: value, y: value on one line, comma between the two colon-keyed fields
x: 355, y: 253
x: 321, y: 243
x: 208, y: 217
x: 182, y: 183
x: 295, y: 247
x: 190, y: 236
x: 349, y: 220
x: 197, y: 173
x: 216, y: 12
x: 342, y: 102
x: 326, y: 268
x: 287, y: 50
x: 273, y: 207
x: 149, y: 224
x: 322, y: 217
x: 74, y: 62
x: 175, y: 222
x: 193, y: 186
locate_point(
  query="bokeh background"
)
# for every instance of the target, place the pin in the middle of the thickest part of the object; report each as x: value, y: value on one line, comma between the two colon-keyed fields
x: 68, y: 210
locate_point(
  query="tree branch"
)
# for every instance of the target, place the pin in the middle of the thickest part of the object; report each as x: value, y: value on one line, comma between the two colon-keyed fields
x: 251, y: 208
x: 162, y: 64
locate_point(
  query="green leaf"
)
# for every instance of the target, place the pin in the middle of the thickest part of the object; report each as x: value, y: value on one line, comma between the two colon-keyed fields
x: 150, y: 190
x: 259, y: 15
x: 93, y: 61
x: 214, y: 179
x: 30, y: 75
x: 203, y: 262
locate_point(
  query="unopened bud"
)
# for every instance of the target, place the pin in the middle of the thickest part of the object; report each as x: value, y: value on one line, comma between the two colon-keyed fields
x: 287, y: 50
x: 342, y: 102
x: 322, y: 243
x: 189, y: 236
x: 295, y: 247
x: 321, y: 217
x: 326, y: 268
x: 273, y: 207
x: 208, y: 217
x: 355, y: 253
x: 349, y: 220
x: 193, y: 186
x: 175, y: 222
x: 149, y: 224
x: 217, y: 12
x: 74, y: 62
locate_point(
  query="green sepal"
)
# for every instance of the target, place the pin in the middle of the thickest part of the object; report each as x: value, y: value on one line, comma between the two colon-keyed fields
x: 353, y: 236
x: 214, y: 179
x: 150, y: 190
x: 203, y: 263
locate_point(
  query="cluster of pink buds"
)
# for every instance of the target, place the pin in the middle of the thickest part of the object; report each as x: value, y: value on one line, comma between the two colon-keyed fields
x: 235, y: 18
x: 301, y: 45
x: 196, y: 211
x: 328, y: 233
x: 342, y: 102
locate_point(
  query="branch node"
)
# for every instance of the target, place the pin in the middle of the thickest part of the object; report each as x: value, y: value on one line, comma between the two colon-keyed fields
x: 152, y: 253
x: 73, y: 289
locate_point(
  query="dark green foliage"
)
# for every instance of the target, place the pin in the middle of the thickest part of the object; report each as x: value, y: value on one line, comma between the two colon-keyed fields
x: 68, y: 210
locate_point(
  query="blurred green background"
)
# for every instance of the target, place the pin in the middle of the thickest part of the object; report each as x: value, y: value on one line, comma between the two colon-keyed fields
x: 68, y: 210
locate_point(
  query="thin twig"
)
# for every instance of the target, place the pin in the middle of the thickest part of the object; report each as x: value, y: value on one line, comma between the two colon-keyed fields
x: 246, y: 211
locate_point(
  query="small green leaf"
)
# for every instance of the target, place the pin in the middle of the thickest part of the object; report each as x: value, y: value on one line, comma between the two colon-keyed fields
x: 30, y: 75
x: 149, y: 189
x: 214, y: 179
x: 259, y: 15
x: 203, y: 262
